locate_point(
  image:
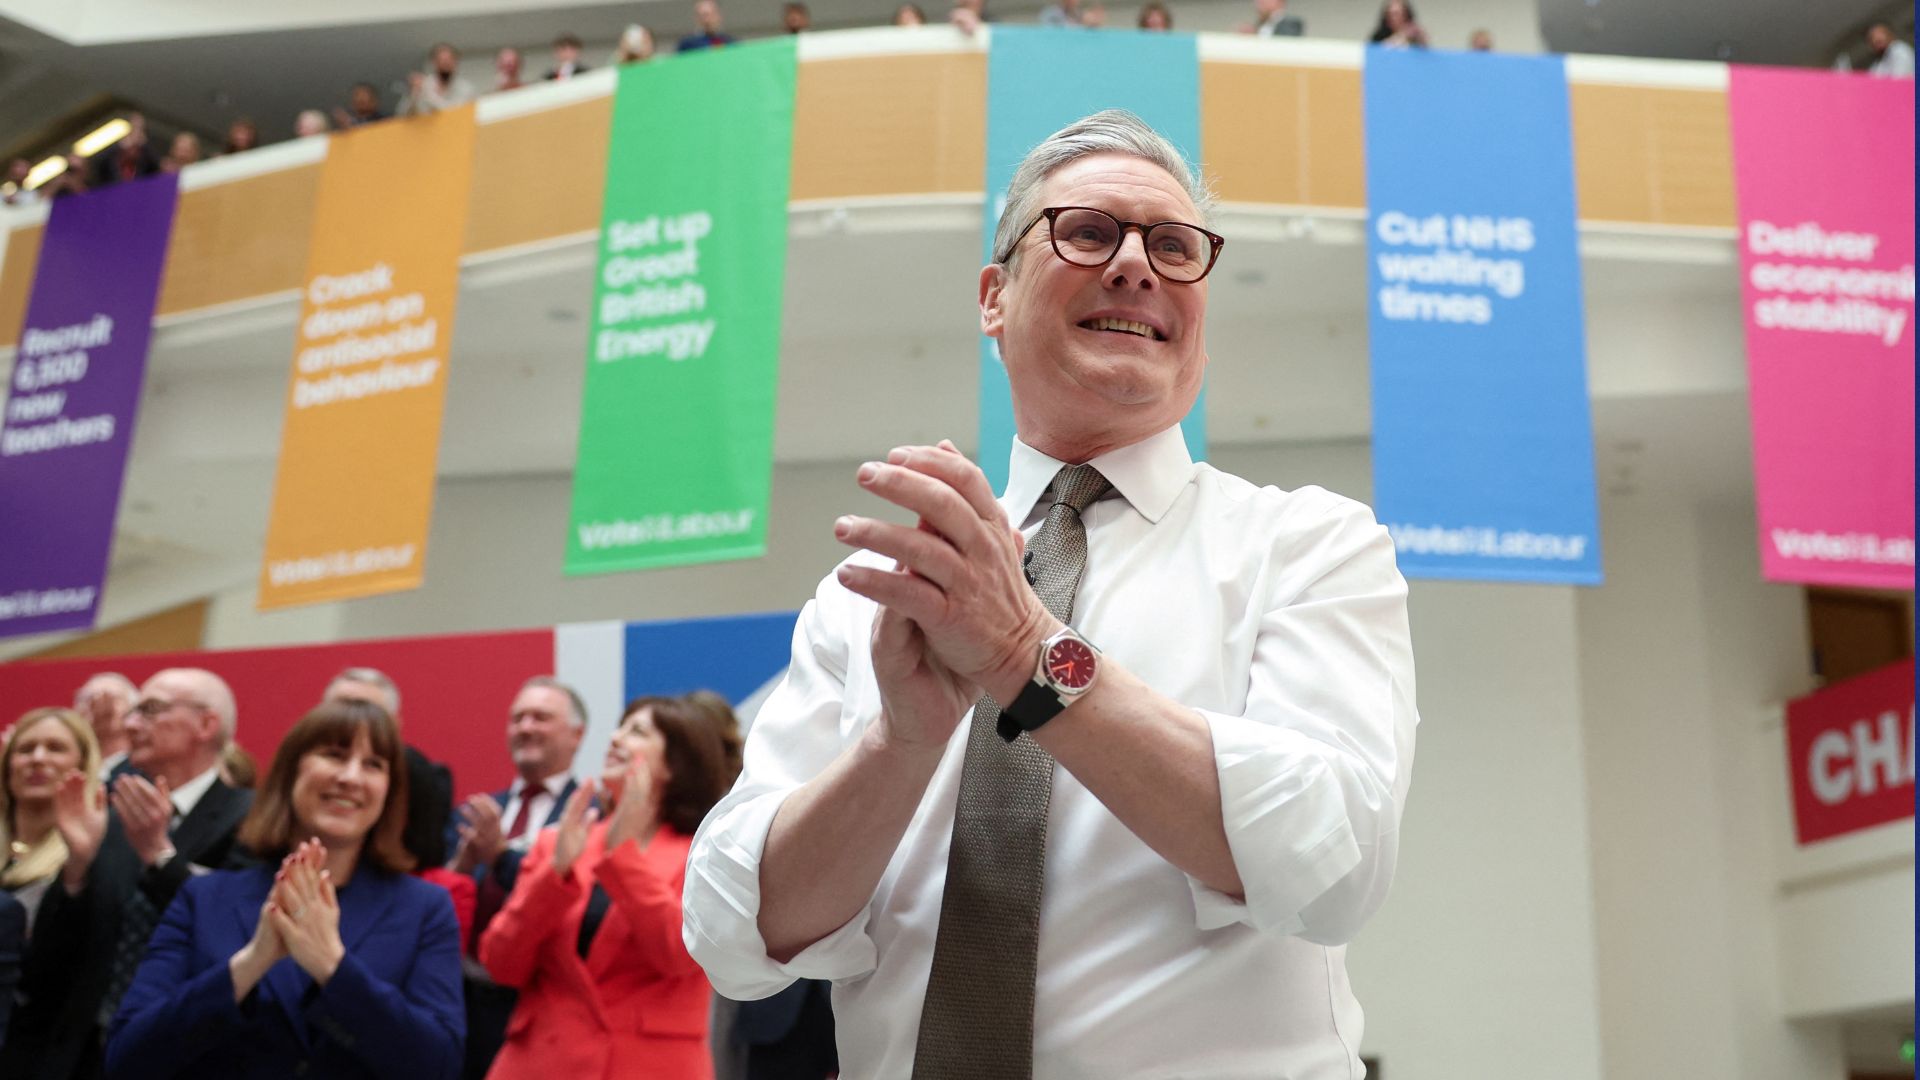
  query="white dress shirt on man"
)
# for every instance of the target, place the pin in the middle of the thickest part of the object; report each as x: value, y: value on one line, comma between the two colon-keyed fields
x: 539, y: 808
x: 1281, y: 617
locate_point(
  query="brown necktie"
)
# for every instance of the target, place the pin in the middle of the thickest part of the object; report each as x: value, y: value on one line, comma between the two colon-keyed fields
x: 977, y: 1022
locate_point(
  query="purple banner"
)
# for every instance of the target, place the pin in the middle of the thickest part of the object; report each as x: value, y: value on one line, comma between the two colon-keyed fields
x: 76, y: 385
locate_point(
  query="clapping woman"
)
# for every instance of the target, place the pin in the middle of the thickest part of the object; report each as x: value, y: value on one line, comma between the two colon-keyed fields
x: 330, y: 962
x: 591, y: 934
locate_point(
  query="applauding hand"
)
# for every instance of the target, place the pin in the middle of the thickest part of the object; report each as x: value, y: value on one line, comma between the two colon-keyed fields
x: 80, y: 817
x: 575, y: 820
x: 306, y: 913
x: 637, y: 815
x: 145, y: 810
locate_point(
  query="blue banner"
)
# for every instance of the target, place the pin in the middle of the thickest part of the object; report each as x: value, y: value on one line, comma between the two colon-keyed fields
x: 1039, y: 80
x: 1482, y: 431
x: 735, y: 656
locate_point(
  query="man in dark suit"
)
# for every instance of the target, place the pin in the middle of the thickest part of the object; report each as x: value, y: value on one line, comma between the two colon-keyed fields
x: 174, y: 814
x: 493, y: 832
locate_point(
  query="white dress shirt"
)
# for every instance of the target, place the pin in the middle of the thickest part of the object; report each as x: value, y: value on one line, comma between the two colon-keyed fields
x: 539, y: 808
x: 188, y: 795
x: 1281, y: 618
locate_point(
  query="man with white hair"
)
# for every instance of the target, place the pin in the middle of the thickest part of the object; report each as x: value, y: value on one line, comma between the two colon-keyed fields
x: 105, y: 699
x: 1098, y: 778
x: 172, y: 818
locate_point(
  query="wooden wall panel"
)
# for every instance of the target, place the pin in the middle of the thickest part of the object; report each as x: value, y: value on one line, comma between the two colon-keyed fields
x: 16, y: 280
x: 1652, y: 155
x: 1285, y: 135
x: 177, y: 629
x: 890, y: 125
x: 539, y: 176
x: 238, y: 240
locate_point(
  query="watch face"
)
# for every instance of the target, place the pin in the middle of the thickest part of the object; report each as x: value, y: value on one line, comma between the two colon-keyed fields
x: 1070, y: 664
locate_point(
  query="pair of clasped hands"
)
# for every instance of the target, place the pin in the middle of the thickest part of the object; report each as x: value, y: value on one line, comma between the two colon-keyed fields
x: 145, y: 809
x: 300, y: 918
x: 957, y: 616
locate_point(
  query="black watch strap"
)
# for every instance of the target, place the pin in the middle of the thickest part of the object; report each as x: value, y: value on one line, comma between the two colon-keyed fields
x: 1034, y: 706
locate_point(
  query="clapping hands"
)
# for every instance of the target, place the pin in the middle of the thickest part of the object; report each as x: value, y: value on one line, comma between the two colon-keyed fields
x: 304, y: 912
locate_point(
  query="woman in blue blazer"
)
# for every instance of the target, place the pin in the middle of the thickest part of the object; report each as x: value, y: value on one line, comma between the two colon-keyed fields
x: 337, y: 964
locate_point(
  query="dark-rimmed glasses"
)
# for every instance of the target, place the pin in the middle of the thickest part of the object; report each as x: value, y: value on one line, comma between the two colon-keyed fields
x: 1083, y: 236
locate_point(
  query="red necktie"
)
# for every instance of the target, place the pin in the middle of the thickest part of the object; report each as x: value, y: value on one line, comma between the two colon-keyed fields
x: 518, y: 827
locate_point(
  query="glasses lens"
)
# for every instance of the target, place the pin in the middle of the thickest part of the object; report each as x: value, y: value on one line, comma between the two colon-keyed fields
x: 1085, y: 237
x: 1179, y: 252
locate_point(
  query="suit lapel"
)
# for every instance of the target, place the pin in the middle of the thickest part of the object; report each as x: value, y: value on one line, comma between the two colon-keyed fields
x: 207, y: 822
x: 364, y: 902
x: 559, y: 807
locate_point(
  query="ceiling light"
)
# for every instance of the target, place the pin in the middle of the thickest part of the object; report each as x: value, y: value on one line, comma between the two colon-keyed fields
x: 45, y: 171
x: 101, y: 137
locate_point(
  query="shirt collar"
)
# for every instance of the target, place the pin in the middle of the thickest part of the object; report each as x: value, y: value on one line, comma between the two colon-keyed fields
x: 554, y: 784
x: 187, y: 795
x: 1149, y: 474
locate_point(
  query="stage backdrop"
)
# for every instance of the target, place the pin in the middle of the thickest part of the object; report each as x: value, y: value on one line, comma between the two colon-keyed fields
x: 675, y: 461
x: 77, y: 378
x: 1039, y: 80
x: 361, y: 443
x: 455, y: 690
x: 1823, y: 169
x: 1482, y: 432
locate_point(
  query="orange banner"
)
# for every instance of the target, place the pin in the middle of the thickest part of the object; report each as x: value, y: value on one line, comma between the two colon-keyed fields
x: 359, y: 450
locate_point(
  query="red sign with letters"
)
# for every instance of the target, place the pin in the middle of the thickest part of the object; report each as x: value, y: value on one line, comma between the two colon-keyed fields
x: 1850, y: 754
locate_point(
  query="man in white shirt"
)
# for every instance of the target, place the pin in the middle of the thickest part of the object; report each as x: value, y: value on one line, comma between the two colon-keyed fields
x: 1892, y: 58
x: 1229, y: 719
x: 104, y: 699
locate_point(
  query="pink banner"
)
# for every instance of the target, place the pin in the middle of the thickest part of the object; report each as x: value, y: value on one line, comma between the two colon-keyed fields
x: 1823, y: 168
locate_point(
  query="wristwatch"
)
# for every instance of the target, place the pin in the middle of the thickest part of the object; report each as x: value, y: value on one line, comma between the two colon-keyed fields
x: 1068, y: 667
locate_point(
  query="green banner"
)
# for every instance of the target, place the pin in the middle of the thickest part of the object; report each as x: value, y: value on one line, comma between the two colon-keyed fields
x: 676, y: 426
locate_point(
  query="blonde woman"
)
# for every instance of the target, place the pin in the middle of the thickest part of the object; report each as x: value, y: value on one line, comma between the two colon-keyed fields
x: 47, y: 745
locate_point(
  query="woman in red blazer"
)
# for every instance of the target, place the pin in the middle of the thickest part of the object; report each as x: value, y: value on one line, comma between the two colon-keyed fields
x: 591, y: 935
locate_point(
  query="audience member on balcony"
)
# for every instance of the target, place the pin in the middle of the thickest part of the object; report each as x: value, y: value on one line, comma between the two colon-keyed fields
x: 635, y: 47
x: 909, y: 15
x: 70, y: 181
x: 566, y: 58
x: 129, y: 159
x: 591, y: 934
x: 1154, y: 15
x: 1061, y: 13
x: 184, y: 151
x: 506, y: 70
x: 706, y: 15
x: 15, y: 191
x: 363, y: 107
x: 1275, y: 21
x: 106, y: 697
x: 310, y: 122
x: 241, y: 135
x: 1891, y: 57
x: 968, y: 15
x: 1093, y: 15
x: 795, y: 18
x: 338, y: 965
x: 439, y: 87
x: 1398, y: 28
x: 1480, y: 40
x: 46, y: 747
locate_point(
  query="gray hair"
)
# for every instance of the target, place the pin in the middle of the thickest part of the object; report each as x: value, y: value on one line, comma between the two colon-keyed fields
x: 1112, y: 131
x: 375, y: 678
x: 120, y: 684
x: 573, y: 696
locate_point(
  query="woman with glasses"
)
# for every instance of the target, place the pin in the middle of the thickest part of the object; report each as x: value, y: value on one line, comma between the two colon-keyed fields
x: 591, y: 935
x: 336, y: 963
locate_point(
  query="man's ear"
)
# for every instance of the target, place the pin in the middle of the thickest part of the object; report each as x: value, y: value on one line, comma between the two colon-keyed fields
x: 993, y: 283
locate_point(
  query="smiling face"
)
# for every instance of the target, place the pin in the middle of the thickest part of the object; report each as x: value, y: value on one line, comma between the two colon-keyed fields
x: 173, y: 725
x: 38, y: 758
x: 541, y: 734
x: 637, y: 739
x: 340, y: 791
x: 1103, y: 357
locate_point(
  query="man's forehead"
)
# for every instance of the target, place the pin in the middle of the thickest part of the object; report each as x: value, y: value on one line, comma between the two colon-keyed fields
x: 1119, y: 178
x: 355, y: 690
x: 539, y: 699
x: 178, y: 682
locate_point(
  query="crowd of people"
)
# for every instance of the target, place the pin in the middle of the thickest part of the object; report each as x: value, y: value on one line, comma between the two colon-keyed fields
x: 166, y: 911
x: 439, y: 84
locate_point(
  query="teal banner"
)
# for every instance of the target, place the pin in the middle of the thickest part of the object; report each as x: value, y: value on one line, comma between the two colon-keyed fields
x: 675, y: 460
x: 1039, y: 80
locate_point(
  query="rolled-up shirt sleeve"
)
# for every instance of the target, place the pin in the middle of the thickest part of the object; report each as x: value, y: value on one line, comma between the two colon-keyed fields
x: 1315, y: 769
x: 801, y: 728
